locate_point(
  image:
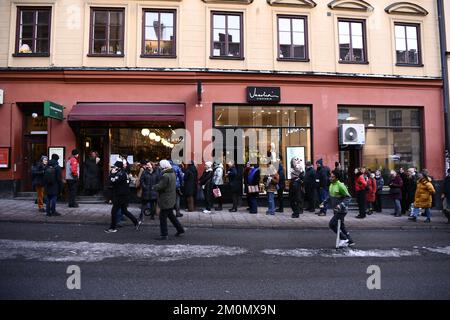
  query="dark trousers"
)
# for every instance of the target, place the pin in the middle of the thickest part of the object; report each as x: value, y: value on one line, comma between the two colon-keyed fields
x: 361, y: 199
x: 235, y: 199
x: 124, y: 210
x: 343, y: 235
x: 50, y: 205
x: 208, y: 199
x: 147, y: 205
x: 219, y: 200
x: 280, y: 199
x: 309, y: 197
x: 73, y: 186
x: 378, y: 206
x: 190, y: 203
x: 296, y: 206
x: 163, y: 215
x: 253, y: 202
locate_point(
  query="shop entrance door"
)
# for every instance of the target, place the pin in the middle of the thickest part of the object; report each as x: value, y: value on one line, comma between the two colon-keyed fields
x: 350, y: 159
x: 94, y: 140
x: 34, y: 146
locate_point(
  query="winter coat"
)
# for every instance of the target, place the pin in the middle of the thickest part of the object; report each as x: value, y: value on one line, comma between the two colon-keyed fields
x: 178, y: 174
x: 91, y: 175
x: 167, y: 189
x: 205, y: 182
x: 53, y: 189
x: 310, y: 178
x: 271, y: 186
x: 409, y: 187
x: 380, y: 183
x: 254, y: 180
x: 424, y: 193
x: 37, y: 175
x: 138, y: 183
x: 360, y: 182
x: 190, y: 181
x: 234, y: 180
x: 120, y: 187
x: 370, y: 194
x: 323, y: 174
x: 218, y: 175
x: 396, y: 185
x: 446, y: 187
x: 72, y: 169
x: 296, y: 191
x: 147, y: 181
x: 282, y: 181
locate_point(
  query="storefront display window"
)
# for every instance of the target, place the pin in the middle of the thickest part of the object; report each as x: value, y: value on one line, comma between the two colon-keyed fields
x: 393, y: 136
x: 276, y: 127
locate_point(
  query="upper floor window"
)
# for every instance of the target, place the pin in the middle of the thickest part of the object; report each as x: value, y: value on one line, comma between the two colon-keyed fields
x: 107, y: 32
x: 292, y: 38
x: 352, y: 41
x: 33, y: 31
x: 227, y: 35
x: 159, y: 36
x: 407, y: 44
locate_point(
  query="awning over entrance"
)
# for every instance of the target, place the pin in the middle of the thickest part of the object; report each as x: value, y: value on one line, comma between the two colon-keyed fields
x: 127, y: 112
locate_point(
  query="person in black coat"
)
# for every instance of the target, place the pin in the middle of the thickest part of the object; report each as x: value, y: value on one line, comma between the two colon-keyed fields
x: 149, y: 178
x: 296, y: 188
x: 323, y: 174
x: 120, y: 195
x: 235, y: 182
x: 53, y: 185
x: 254, y: 177
x: 190, y: 185
x: 281, y: 187
x: 37, y: 175
x: 310, y: 186
x: 92, y: 174
x: 206, y: 184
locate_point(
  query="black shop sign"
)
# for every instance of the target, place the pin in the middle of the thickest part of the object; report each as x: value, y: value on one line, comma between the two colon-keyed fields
x: 263, y: 94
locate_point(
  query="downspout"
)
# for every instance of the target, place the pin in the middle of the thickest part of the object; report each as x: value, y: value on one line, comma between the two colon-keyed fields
x: 443, y: 45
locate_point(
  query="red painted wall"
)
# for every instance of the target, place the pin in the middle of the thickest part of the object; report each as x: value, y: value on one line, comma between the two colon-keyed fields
x: 324, y: 101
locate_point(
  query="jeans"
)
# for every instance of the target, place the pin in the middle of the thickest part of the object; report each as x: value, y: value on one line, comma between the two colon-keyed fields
x: 73, y: 186
x: 51, y: 204
x: 416, y: 212
x: 323, y: 194
x: 163, y: 215
x: 398, y: 206
x: 271, y: 201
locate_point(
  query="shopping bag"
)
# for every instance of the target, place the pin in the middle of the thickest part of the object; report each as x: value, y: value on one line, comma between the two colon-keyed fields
x: 217, y: 193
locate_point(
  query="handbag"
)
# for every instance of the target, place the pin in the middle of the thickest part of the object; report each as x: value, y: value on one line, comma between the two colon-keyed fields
x: 253, y: 189
x: 217, y: 193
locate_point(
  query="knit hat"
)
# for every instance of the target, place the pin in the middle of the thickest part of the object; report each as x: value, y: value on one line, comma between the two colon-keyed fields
x: 320, y: 162
x: 164, y: 164
x: 74, y: 152
x: 118, y: 164
x: 44, y: 158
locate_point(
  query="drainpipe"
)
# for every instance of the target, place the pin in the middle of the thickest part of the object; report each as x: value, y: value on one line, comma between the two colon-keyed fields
x: 443, y: 45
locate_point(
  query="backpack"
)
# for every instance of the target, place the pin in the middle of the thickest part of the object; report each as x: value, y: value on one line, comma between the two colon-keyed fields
x: 50, y: 175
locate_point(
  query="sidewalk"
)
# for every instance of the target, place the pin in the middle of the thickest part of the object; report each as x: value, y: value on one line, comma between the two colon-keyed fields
x: 26, y: 211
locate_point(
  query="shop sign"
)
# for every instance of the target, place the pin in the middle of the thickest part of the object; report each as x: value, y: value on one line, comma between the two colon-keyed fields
x: 53, y: 110
x: 4, y: 157
x: 263, y: 94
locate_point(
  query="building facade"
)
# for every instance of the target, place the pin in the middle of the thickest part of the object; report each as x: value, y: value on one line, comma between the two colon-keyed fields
x: 293, y: 71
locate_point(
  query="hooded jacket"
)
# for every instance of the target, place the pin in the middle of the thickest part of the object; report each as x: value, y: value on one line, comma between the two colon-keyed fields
x: 424, y: 193
x: 167, y: 189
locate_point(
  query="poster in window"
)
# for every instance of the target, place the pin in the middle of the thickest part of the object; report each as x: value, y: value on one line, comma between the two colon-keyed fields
x: 60, y: 151
x: 4, y: 157
x: 292, y: 152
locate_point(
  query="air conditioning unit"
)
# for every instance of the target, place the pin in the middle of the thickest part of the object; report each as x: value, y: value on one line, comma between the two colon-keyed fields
x: 352, y: 134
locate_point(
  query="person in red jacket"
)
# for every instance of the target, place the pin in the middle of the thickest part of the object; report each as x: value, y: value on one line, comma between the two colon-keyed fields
x: 370, y: 193
x: 360, y: 188
x: 72, y: 177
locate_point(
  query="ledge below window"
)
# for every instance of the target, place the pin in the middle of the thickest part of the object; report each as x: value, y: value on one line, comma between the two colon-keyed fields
x: 409, y: 65
x: 226, y: 58
x: 31, y: 55
x: 353, y: 62
x: 158, y: 56
x: 293, y: 60
x: 106, y: 55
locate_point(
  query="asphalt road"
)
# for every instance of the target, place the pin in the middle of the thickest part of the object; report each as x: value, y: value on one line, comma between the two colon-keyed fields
x: 210, y: 264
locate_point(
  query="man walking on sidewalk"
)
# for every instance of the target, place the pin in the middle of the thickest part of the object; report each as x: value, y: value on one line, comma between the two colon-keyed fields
x: 167, y: 189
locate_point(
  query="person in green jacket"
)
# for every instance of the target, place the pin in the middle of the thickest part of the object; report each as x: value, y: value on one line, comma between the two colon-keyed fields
x: 338, y: 199
x: 167, y: 195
